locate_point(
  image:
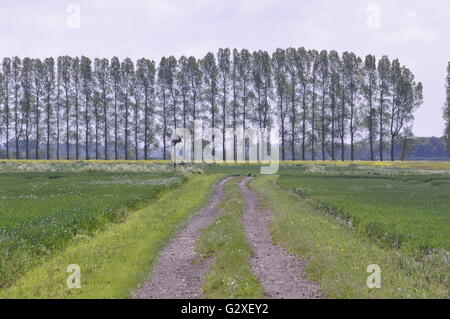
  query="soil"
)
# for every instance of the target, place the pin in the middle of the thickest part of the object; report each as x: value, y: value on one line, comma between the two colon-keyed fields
x: 281, y: 273
x: 180, y: 271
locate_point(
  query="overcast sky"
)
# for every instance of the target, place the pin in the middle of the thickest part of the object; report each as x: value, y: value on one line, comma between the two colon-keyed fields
x: 415, y: 31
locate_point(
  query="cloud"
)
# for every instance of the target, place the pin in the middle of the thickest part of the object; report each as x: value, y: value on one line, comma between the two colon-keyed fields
x: 412, y: 30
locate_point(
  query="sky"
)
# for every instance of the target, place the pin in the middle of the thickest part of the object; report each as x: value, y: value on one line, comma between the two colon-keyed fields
x: 415, y: 31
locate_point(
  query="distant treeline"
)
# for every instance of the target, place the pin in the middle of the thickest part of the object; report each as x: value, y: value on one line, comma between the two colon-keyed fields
x: 324, y: 103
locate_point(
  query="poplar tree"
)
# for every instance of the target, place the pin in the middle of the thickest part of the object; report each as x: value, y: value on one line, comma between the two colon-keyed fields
x: 304, y: 72
x: 406, y: 98
x: 334, y: 87
x: 86, y: 90
x: 49, y: 88
x: 314, y: 75
x: 324, y: 74
x: 115, y: 74
x: 27, y: 87
x: 145, y: 77
x: 244, y: 76
x: 127, y: 76
x: 6, y: 90
x: 163, y: 95
x: 64, y: 71
x: 76, y: 84
x: 38, y: 76
x: 370, y: 90
x: 446, y: 111
x: 279, y: 71
x: 384, y: 70
x: 195, y: 85
x: 352, y: 66
x: 224, y: 70
x: 292, y: 78
x: 102, y: 83
x: 210, y: 77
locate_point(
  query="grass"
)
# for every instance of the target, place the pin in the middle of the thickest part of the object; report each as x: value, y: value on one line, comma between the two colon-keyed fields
x: 40, y: 212
x: 338, y: 255
x: 116, y: 260
x: 408, y: 210
x: 416, y: 165
x: 225, y: 240
x: 342, y: 216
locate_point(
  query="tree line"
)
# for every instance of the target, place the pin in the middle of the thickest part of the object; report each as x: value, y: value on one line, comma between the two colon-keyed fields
x: 322, y: 102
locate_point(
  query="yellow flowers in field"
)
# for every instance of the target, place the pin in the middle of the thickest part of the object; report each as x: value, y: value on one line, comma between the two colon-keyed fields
x: 421, y: 165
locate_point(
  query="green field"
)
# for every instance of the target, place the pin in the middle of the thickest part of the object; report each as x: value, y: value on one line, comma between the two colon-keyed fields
x: 41, y: 211
x: 407, y: 210
x: 114, y: 218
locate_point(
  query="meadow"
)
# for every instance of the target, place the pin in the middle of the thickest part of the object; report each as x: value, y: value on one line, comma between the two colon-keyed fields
x: 108, y: 215
x: 399, y: 209
x: 41, y: 211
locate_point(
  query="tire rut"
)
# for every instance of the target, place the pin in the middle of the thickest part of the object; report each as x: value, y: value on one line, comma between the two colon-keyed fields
x: 180, y: 270
x: 282, y: 274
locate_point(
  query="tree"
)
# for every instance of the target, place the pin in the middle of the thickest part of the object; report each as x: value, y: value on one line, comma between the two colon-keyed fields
x: 195, y: 85
x: 102, y: 82
x: 49, y: 87
x: 86, y: 90
x: 304, y: 72
x: 291, y: 78
x: 224, y: 69
x: 59, y: 63
x: 262, y: 83
x: 38, y: 76
x: 352, y: 68
x: 115, y: 74
x: 370, y: 90
x: 64, y: 72
x: 163, y: 95
x: 27, y: 86
x: 244, y: 76
x: 127, y: 76
x: 145, y: 77
x: 16, y: 71
x: 6, y: 89
x: 75, y: 75
x: 137, y: 112
x: 406, y: 98
x: 324, y: 74
x: 279, y: 67
x: 235, y: 87
x: 183, y: 84
x: 210, y: 77
x: 384, y: 70
x: 334, y: 65
x: 446, y: 111
x: 96, y: 98
x: 315, y: 66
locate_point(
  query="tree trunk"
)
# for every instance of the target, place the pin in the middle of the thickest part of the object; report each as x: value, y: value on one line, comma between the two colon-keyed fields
x: 146, y: 125
x: 381, y: 125
x: 392, y: 148
x: 67, y: 126
x: 304, y: 123
x: 105, y: 119
x: 37, y: 126
x: 115, y: 127
x: 87, y: 126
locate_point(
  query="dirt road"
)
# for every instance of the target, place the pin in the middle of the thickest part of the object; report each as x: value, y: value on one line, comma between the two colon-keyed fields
x: 180, y: 271
x: 281, y: 273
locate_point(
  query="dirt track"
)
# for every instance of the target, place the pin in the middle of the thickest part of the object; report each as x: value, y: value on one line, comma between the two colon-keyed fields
x: 280, y: 272
x: 180, y: 271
